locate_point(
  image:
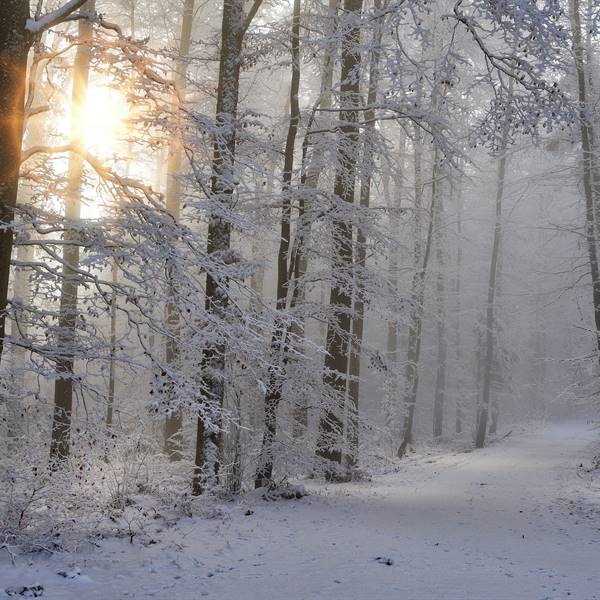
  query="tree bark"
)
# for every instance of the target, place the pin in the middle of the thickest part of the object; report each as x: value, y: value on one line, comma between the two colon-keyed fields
x: 490, y: 320
x: 591, y: 177
x: 355, y: 346
x: 67, y: 320
x: 208, y: 439
x: 338, y: 332
x: 14, y: 48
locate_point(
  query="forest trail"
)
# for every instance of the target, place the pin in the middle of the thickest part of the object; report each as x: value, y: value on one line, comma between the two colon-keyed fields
x: 513, y: 521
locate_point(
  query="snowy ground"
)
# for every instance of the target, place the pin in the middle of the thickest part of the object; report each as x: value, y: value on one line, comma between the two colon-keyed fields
x: 515, y: 521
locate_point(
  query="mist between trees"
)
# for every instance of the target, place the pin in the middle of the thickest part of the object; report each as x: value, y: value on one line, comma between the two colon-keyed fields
x: 246, y: 242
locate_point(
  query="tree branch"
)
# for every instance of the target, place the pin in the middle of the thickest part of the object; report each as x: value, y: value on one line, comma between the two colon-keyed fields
x: 41, y: 24
x: 250, y: 16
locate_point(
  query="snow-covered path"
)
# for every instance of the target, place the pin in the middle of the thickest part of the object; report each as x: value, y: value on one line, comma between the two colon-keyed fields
x: 513, y: 521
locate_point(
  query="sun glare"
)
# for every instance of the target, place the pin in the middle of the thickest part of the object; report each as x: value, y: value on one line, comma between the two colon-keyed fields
x: 105, y: 121
x: 102, y: 128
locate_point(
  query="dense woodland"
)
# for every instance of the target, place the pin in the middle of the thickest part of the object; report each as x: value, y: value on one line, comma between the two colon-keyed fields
x: 247, y: 242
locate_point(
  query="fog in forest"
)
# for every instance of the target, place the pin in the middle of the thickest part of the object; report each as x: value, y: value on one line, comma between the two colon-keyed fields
x: 300, y: 299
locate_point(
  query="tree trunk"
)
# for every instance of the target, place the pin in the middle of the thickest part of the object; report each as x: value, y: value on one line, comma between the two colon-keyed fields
x: 67, y: 321
x: 338, y: 332
x: 411, y: 374
x: 311, y: 169
x: 355, y: 346
x: 14, y: 48
x: 591, y: 178
x: 394, y: 206
x: 414, y: 334
x: 440, y: 378
x: 458, y: 426
x: 173, y: 442
x: 110, y: 401
x: 264, y: 470
x: 208, y: 439
x: 22, y: 292
x: 490, y: 320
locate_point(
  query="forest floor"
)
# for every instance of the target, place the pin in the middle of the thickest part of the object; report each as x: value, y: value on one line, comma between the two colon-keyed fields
x: 518, y: 520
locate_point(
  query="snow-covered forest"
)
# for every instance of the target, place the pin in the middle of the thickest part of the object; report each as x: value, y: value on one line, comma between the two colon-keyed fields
x: 300, y: 299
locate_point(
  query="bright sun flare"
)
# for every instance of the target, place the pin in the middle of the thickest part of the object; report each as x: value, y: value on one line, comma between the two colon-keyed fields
x: 102, y: 128
x: 105, y: 121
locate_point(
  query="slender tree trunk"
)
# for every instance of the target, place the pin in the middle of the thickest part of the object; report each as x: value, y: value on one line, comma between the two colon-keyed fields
x: 490, y: 320
x: 208, y: 439
x: 392, y: 346
x: 264, y: 470
x: 392, y: 329
x: 14, y: 48
x: 63, y: 388
x: 440, y: 378
x: 591, y: 179
x: 411, y: 374
x: 110, y: 401
x: 496, y: 378
x: 173, y: 423
x: 22, y: 294
x: 311, y: 169
x: 458, y: 426
x: 361, y: 254
x: 338, y: 332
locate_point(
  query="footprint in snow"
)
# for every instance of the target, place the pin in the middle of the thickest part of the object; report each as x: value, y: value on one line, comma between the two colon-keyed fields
x: 27, y: 591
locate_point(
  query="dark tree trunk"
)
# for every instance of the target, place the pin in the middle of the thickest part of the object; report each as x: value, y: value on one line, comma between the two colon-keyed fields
x: 14, y: 48
x: 208, y: 442
x: 338, y: 333
x: 358, y: 318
